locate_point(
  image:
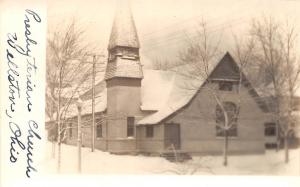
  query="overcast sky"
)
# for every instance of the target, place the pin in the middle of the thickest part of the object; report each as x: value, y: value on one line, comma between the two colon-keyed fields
x: 162, y: 25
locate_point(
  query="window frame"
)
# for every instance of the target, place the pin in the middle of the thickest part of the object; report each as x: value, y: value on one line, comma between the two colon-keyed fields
x: 270, y: 125
x: 130, y: 126
x: 99, y: 126
x: 149, y: 131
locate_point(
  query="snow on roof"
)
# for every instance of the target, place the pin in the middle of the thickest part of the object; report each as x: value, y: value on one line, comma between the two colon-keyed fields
x: 71, y: 90
x: 100, y: 105
x: 183, y: 90
x: 156, y: 88
x: 123, y: 32
x: 178, y: 97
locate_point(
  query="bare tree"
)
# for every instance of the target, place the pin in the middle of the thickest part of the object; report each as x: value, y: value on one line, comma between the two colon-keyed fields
x: 67, y: 73
x: 292, y: 64
x: 277, y: 55
x: 161, y: 64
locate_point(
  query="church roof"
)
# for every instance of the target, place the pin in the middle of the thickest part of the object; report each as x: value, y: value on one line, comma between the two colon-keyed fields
x: 100, y: 105
x: 181, y: 95
x: 123, y: 30
x: 177, y: 98
x: 156, y: 88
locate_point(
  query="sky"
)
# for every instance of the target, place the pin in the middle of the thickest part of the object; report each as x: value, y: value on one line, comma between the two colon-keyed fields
x: 164, y: 25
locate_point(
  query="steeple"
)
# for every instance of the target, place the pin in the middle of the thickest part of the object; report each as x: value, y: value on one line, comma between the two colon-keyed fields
x: 123, y: 79
x: 123, y: 47
x: 123, y: 32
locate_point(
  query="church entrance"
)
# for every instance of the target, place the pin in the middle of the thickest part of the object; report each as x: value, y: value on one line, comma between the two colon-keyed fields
x: 172, y: 136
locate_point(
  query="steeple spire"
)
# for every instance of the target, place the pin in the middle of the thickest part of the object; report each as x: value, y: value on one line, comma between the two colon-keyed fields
x: 123, y: 32
x: 123, y: 47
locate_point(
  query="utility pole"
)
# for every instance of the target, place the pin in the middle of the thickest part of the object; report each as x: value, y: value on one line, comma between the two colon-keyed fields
x: 93, y: 99
x: 93, y: 104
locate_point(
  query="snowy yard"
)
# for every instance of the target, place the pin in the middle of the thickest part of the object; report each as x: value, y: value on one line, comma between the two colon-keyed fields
x: 270, y: 163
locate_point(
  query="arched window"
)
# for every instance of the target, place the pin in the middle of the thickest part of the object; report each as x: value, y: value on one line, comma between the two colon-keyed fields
x: 232, y: 113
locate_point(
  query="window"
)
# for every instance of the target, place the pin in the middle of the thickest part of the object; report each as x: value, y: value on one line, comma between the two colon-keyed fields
x: 130, y: 126
x: 98, y: 124
x: 270, y: 129
x: 149, y: 131
x: 270, y: 145
x: 70, y: 130
x: 225, y: 86
x: 232, y: 113
x: 99, y: 131
x: 232, y: 132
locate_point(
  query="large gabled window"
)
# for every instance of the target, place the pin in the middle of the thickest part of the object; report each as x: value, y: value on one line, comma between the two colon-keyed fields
x: 130, y: 126
x: 231, y: 110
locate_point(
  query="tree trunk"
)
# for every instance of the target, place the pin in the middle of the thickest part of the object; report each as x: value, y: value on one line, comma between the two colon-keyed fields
x: 53, y: 149
x: 59, y: 122
x: 59, y: 157
x: 286, y: 148
x: 277, y: 136
x: 225, y: 147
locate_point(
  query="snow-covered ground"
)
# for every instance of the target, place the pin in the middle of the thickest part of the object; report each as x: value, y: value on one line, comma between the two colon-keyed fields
x: 98, y: 162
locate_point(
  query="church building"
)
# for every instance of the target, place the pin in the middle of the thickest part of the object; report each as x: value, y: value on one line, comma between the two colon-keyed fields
x: 143, y: 111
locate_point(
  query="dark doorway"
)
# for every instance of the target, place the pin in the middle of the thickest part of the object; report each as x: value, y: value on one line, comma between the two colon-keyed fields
x: 172, y: 136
